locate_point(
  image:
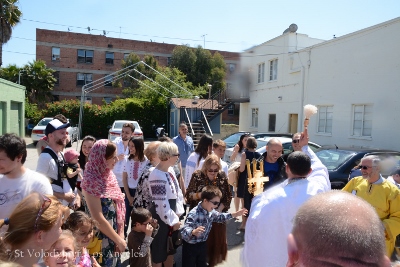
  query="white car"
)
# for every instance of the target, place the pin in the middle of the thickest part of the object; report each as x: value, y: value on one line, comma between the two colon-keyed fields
x: 38, y: 131
x: 262, y: 142
x: 116, y: 129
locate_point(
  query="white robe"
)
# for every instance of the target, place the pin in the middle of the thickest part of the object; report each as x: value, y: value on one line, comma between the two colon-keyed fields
x: 271, y: 216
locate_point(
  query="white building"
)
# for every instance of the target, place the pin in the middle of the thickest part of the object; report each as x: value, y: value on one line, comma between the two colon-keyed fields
x: 353, y: 79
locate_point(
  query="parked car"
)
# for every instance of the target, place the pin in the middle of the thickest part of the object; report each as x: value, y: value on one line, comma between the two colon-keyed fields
x: 234, y: 138
x: 340, y: 161
x: 262, y: 142
x: 38, y: 131
x: 116, y: 128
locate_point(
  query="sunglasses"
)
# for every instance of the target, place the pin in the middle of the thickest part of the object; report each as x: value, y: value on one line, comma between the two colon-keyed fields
x: 296, y: 141
x: 45, y: 205
x: 364, y: 167
x: 216, y: 170
x: 215, y: 203
x: 176, y: 155
x: 148, y: 222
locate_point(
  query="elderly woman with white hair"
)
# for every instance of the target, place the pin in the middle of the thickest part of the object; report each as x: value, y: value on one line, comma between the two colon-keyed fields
x: 168, y: 202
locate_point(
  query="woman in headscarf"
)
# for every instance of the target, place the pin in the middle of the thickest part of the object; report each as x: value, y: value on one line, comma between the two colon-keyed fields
x: 211, y: 174
x: 104, y: 199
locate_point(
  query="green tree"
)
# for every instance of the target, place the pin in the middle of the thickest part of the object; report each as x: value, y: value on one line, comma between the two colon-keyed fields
x: 184, y: 59
x: 10, y: 73
x: 200, y: 67
x: 9, y: 17
x: 39, y: 82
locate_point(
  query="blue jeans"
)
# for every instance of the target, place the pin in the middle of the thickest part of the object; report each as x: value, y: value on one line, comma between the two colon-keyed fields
x: 129, y: 209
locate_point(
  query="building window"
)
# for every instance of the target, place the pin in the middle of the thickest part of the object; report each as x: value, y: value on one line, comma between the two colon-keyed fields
x: 107, y: 100
x: 108, y: 80
x: 55, y: 53
x: 271, y: 122
x: 232, y: 67
x: 254, y: 117
x: 56, y: 75
x: 325, y: 116
x: 273, y: 70
x: 261, y: 71
x: 126, y: 55
x: 83, y: 78
x: 85, y: 56
x: 362, y: 120
x: 109, y: 57
x: 231, y: 109
x: 169, y: 61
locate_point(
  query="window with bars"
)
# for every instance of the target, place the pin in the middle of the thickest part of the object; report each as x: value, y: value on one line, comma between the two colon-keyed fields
x: 273, y: 69
x: 231, y: 110
x: 55, y: 53
x: 109, y: 57
x: 83, y: 78
x: 261, y: 72
x: 362, y: 121
x: 254, y: 117
x: 325, y: 117
x: 85, y: 56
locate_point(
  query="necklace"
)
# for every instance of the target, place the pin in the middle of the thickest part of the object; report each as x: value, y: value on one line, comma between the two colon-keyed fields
x: 213, y: 182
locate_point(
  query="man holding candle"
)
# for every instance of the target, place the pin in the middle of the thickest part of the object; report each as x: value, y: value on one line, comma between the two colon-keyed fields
x: 270, y: 219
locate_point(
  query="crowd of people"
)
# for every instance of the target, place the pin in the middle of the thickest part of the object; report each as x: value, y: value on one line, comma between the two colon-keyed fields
x: 75, y: 209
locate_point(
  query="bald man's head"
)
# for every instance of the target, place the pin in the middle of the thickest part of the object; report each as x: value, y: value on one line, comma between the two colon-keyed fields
x: 274, y: 150
x: 337, y: 229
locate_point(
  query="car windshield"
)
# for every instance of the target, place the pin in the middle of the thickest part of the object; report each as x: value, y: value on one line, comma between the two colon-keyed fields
x: 332, y: 159
x: 44, y: 122
x: 232, y: 140
x: 118, y: 125
x: 261, y: 144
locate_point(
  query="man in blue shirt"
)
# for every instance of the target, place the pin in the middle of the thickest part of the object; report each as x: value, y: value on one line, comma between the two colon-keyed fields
x: 274, y: 165
x: 185, y: 145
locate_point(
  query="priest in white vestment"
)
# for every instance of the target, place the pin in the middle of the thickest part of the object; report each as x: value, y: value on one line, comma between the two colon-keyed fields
x: 272, y: 212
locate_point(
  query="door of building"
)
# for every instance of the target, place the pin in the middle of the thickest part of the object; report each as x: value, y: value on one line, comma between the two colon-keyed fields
x: 15, y: 122
x: 293, y: 119
x: 2, y: 118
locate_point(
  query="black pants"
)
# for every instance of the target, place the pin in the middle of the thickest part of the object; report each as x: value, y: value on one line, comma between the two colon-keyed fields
x: 194, y: 255
x: 128, y: 211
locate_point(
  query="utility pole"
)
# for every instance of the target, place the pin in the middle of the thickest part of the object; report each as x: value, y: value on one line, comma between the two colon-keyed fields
x: 204, y: 40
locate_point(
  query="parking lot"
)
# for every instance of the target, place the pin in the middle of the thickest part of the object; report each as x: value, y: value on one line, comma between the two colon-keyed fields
x: 235, y: 237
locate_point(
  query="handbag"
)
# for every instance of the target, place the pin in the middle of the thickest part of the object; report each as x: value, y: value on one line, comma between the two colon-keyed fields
x: 94, y: 249
x: 174, y: 241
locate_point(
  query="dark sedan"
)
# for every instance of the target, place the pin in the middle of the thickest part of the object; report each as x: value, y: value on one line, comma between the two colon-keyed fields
x: 340, y: 161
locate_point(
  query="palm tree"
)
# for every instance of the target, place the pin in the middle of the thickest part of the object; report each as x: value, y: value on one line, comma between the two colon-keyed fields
x: 9, y: 17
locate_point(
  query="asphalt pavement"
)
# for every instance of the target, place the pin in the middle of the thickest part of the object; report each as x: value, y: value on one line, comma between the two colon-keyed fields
x: 235, y: 237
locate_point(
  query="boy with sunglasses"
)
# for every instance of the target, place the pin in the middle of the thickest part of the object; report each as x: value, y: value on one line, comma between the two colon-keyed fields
x: 198, y: 225
x: 144, y: 228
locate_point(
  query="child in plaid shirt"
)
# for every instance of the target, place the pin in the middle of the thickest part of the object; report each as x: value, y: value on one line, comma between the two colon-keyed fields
x: 198, y: 225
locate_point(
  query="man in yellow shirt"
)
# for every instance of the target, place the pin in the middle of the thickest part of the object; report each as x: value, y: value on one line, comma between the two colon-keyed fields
x: 381, y: 194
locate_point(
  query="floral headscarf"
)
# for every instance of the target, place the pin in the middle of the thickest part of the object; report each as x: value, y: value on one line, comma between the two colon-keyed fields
x: 99, y: 181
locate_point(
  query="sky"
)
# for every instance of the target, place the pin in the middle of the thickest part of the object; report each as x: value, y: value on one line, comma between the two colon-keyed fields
x: 214, y: 24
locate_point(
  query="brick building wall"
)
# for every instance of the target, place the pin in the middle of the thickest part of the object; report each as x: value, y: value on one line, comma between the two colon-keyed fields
x: 68, y: 68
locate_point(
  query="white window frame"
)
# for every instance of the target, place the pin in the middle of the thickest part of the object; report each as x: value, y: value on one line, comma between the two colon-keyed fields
x: 85, y: 77
x: 108, y: 100
x: 254, y: 117
x: 261, y: 72
x: 55, y: 54
x: 85, y: 57
x: 361, y: 120
x: 273, y: 69
x: 325, y: 119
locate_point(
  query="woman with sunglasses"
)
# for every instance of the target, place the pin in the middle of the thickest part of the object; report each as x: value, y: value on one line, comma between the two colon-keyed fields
x: 211, y: 174
x: 167, y: 201
x: 104, y: 199
x: 33, y: 227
